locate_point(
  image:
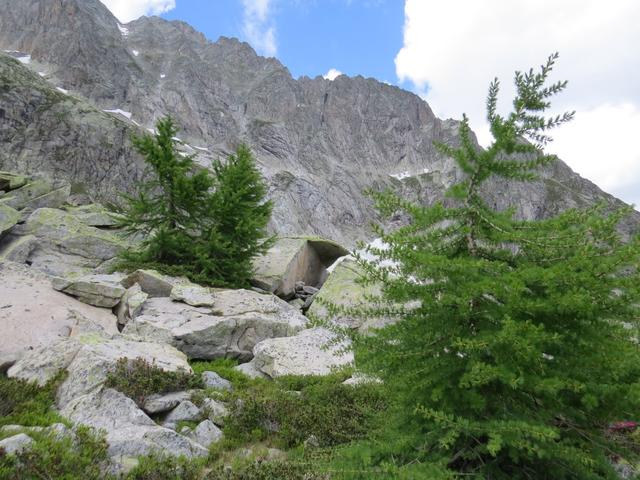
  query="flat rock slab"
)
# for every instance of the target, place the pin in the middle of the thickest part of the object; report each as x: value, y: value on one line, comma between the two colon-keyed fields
x: 95, y: 215
x: 193, y: 295
x: 293, y: 260
x: 33, y: 315
x: 20, y: 197
x: 240, y: 319
x: 98, y: 290
x: 16, y: 444
x: 310, y: 352
x: 11, y: 181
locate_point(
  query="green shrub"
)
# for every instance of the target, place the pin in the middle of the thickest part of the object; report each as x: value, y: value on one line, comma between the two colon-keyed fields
x: 163, y: 467
x: 59, y: 458
x: 27, y: 404
x: 138, y: 379
x: 320, y: 407
x: 276, y: 470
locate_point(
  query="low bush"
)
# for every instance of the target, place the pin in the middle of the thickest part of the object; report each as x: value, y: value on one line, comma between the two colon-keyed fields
x: 291, y: 410
x: 138, y: 379
x: 27, y: 404
x: 61, y: 458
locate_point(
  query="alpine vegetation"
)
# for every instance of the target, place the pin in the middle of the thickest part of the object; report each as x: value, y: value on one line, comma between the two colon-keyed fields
x: 514, y: 346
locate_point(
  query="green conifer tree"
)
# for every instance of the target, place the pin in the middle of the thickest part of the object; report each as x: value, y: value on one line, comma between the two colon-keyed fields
x: 165, y: 211
x: 515, y: 345
x: 236, y: 218
x: 207, y: 225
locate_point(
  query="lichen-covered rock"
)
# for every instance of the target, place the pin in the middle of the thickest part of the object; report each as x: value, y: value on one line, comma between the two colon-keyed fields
x: 311, y: 352
x: 21, y: 197
x: 94, y: 215
x: 240, y: 319
x: 10, y: 181
x: 65, y: 244
x: 98, y: 290
x: 215, y: 410
x: 193, y: 295
x: 129, y: 431
x: 17, y: 249
x: 8, y: 218
x: 53, y: 199
x: 33, y: 315
x: 293, y: 260
x: 343, y: 289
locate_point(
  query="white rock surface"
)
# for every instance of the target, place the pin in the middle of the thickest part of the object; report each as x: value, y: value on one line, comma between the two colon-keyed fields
x: 206, y: 433
x: 33, y: 315
x: 213, y: 380
x: 16, y: 444
x: 310, y: 352
x: 161, y: 403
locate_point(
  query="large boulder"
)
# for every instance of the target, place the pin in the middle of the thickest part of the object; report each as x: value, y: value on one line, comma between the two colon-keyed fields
x: 153, y: 283
x: 65, y: 244
x: 53, y: 199
x: 94, y: 289
x: 130, y: 432
x: 343, y: 289
x: 88, y: 359
x: 240, y: 319
x: 33, y: 315
x: 315, y: 351
x: 8, y: 218
x: 294, y: 260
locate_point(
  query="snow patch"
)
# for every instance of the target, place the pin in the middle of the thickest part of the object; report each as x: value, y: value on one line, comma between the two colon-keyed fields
x: 202, y: 149
x: 60, y: 89
x: 120, y: 112
x: 183, y: 154
x: 162, y: 75
x: 408, y: 174
x: 177, y: 139
x: 42, y: 74
x: 123, y: 30
x: 151, y: 131
x: 135, y: 53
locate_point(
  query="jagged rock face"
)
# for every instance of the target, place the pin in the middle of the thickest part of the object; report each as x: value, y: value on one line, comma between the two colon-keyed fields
x: 320, y: 143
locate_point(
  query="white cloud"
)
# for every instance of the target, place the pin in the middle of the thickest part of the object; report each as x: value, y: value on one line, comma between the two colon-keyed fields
x: 128, y: 10
x: 453, y: 49
x: 257, y: 28
x: 332, y: 74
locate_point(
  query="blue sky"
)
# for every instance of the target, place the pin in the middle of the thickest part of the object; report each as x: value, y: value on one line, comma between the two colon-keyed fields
x: 356, y: 37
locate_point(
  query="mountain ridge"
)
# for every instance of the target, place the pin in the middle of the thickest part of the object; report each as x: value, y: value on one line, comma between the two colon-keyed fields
x: 319, y: 143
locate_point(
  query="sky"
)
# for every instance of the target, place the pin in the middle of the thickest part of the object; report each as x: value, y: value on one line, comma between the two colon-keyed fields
x: 448, y: 51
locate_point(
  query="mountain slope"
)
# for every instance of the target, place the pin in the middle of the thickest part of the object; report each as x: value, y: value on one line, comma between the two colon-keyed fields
x: 320, y: 143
